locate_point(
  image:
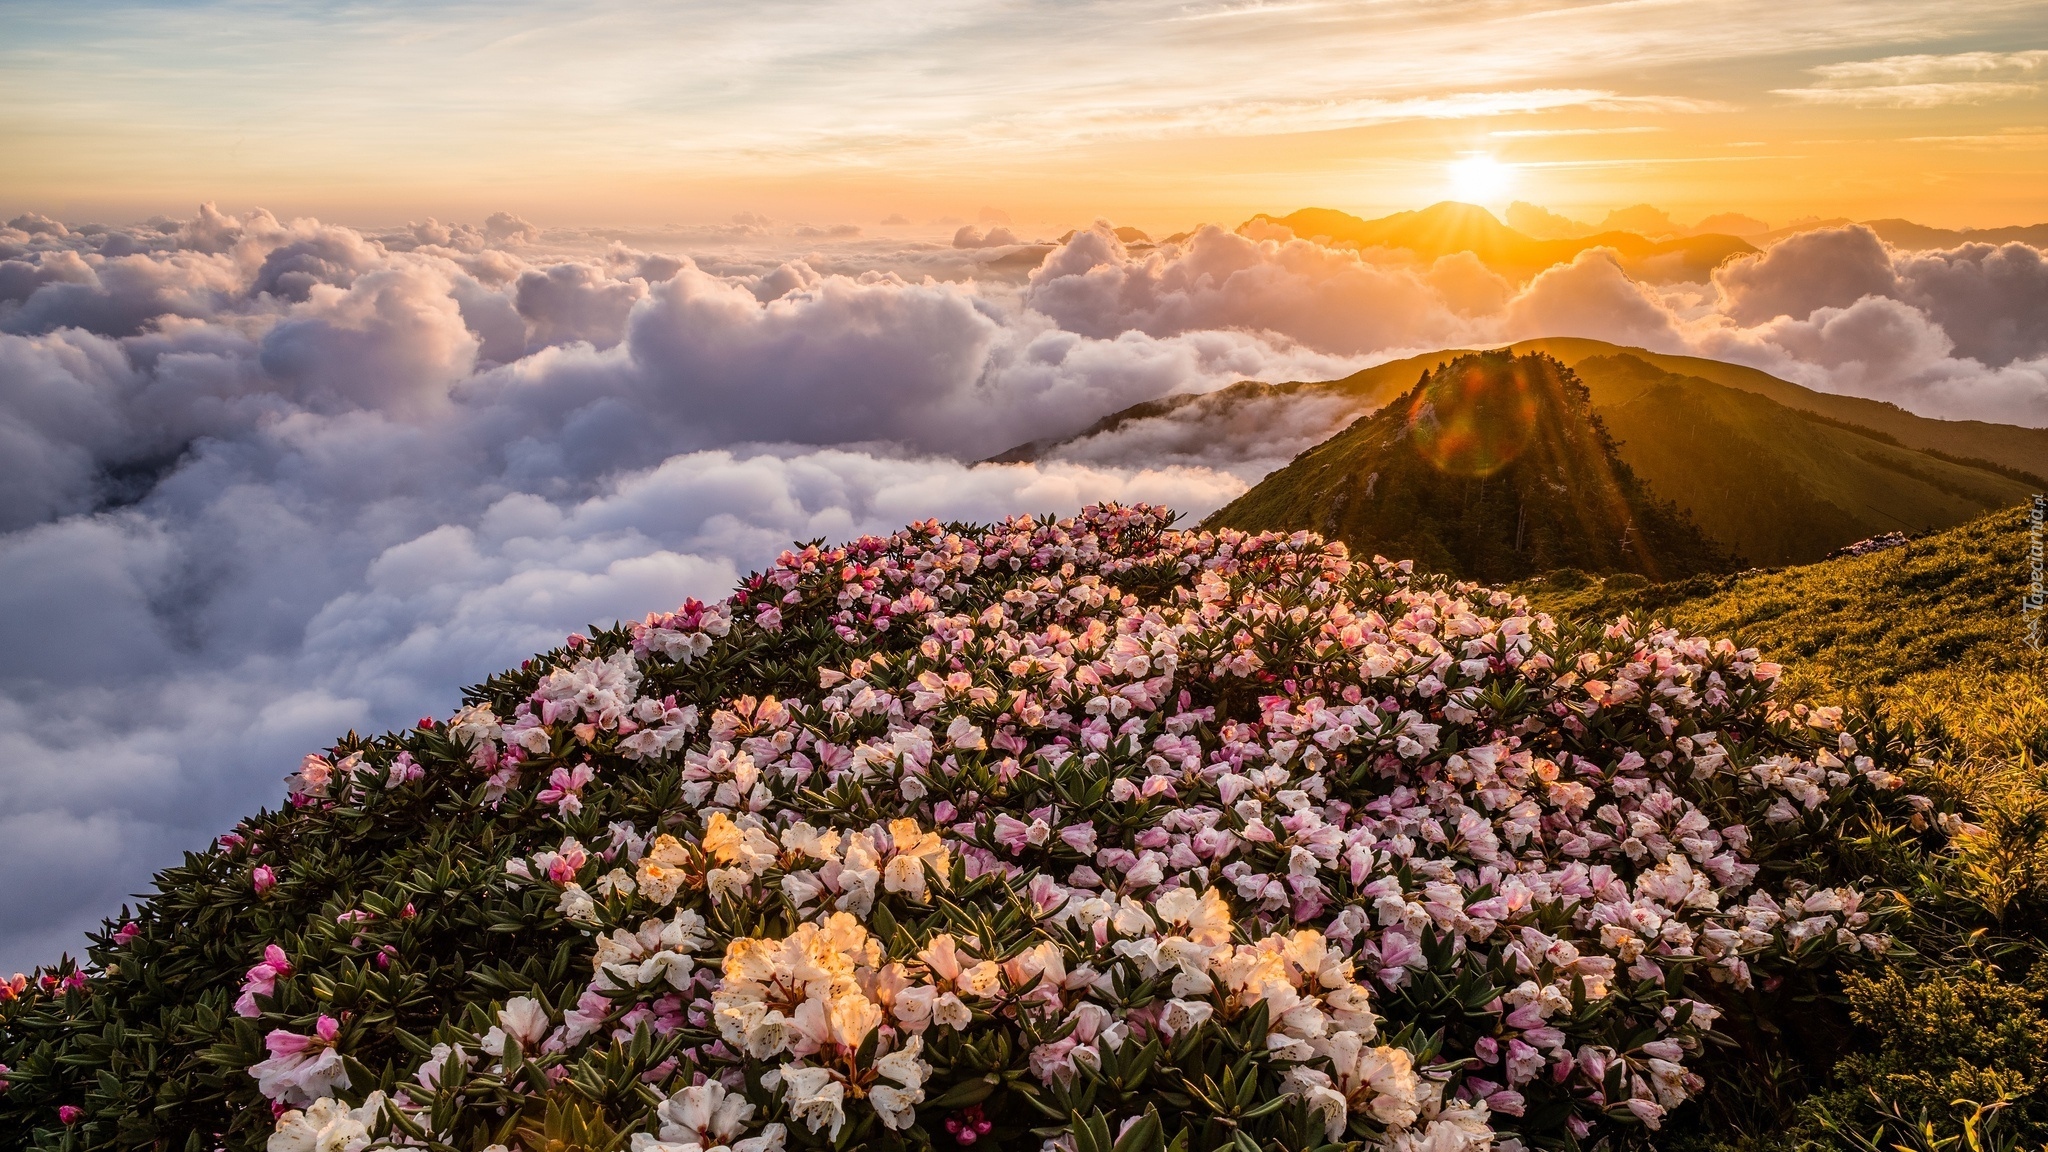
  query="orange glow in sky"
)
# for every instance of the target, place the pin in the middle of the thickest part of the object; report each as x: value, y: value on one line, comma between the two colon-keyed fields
x: 1158, y: 113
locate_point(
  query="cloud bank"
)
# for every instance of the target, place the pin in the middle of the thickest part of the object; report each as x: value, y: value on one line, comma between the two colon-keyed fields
x: 262, y: 481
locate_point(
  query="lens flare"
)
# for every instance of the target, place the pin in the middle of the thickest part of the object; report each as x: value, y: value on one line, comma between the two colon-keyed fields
x: 1473, y: 422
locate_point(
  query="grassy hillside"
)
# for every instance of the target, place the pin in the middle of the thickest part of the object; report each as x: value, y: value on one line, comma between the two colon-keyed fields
x: 2003, y: 444
x: 1933, y: 631
x: 1776, y: 485
x: 1492, y: 467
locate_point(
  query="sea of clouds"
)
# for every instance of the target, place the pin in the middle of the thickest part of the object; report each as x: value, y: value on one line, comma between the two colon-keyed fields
x: 264, y: 481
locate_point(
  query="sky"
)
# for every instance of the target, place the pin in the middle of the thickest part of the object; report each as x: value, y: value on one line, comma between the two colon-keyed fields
x: 1157, y: 113
x: 352, y: 353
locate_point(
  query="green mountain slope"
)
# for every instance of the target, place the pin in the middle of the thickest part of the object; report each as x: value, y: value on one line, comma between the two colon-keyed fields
x: 1935, y: 629
x: 1492, y: 467
x: 1777, y: 486
x: 1450, y: 227
x: 1777, y: 472
x: 2006, y: 445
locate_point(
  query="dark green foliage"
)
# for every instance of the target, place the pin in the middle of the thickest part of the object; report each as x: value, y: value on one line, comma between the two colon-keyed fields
x: 1940, y: 1047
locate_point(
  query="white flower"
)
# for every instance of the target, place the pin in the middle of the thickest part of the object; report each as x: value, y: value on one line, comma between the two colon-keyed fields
x: 1204, y: 917
x: 301, y: 1069
x: 577, y: 905
x: 952, y: 1012
x: 1379, y: 1080
x: 816, y: 1097
x: 525, y: 1020
x: 1460, y: 1127
x: 904, y: 1065
x: 1314, y: 1087
x: 704, y: 1113
x: 642, y: 1142
x: 1181, y: 1015
x: 675, y: 967
x: 897, y: 1108
x: 326, y: 1125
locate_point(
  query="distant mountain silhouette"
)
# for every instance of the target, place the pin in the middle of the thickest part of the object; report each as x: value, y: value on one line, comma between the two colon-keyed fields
x: 1906, y: 234
x: 1493, y: 467
x: 1449, y: 227
x: 1917, y: 237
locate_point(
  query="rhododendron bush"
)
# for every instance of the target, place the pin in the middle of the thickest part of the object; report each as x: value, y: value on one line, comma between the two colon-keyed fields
x: 1087, y: 831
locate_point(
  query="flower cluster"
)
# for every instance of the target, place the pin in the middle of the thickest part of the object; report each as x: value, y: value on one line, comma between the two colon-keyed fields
x: 991, y: 831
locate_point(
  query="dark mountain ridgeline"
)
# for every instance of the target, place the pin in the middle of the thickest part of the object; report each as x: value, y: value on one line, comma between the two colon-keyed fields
x: 1776, y: 472
x: 1493, y: 467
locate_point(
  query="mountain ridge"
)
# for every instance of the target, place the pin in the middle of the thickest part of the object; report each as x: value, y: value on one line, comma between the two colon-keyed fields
x: 1493, y: 466
x: 1787, y: 475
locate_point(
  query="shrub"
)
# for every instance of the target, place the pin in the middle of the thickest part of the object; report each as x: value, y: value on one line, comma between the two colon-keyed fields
x: 1082, y: 830
x: 1943, y: 1054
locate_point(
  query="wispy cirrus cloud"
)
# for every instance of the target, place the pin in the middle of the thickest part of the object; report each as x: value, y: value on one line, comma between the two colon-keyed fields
x: 1926, y: 80
x: 1545, y: 133
x: 1922, y: 68
x: 2013, y: 139
x: 611, y: 103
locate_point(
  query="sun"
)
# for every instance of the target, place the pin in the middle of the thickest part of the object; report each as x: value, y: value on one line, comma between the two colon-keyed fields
x: 1478, y: 178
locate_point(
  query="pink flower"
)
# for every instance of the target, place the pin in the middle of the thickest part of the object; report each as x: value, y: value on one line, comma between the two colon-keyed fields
x: 69, y: 1113
x: 1013, y: 834
x: 301, y: 1069
x: 263, y: 879
x: 565, y: 788
x: 261, y: 980
x: 1507, y: 1102
x: 126, y: 933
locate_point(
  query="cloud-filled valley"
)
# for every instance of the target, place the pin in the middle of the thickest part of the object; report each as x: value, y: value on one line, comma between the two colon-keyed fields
x: 262, y: 481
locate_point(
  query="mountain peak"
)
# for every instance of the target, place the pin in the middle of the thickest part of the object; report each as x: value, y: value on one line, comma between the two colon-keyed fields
x: 1492, y: 467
